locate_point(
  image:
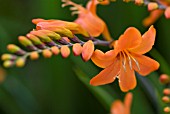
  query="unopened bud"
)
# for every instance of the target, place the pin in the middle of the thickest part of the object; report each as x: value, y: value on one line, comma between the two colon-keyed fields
x: 167, y: 12
x: 152, y: 6
x: 51, y: 34
x: 165, y: 99
x: 164, y: 78
x: 8, y: 57
x: 20, y: 62
x: 166, y: 91
x: 47, y: 53
x: 8, y: 64
x: 55, y: 50
x: 87, y: 51
x: 77, y: 49
x: 34, y: 55
x: 24, y: 41
x: 65, y: 51
x: 15, y: 49
x: 167, y: 109
x: 139, y: 2
x: 34, y: 39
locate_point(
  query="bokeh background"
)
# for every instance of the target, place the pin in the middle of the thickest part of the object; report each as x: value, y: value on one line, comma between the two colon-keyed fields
x: 60, y: 86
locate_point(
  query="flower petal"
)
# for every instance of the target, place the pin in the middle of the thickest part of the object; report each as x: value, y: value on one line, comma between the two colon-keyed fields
x: 103, y: 59
x: 154, y: 15
x: 117, y: 107
x: 148, y: 40
x: 108, y: 75
x: 128, y: 102
x: 127, y: 79
x: 130, y: 39
x: 146, y: 64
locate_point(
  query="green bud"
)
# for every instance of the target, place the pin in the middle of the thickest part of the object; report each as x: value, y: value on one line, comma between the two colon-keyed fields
x: 7, y: 57
x: 25, y: 41
x: 8, y: 63
x: 34, y: 39
x: 51, y: 34
x: 13, y: 48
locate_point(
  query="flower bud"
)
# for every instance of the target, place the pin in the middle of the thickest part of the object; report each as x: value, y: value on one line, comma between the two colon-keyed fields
x: 51, y: 34
x: 152, y: 6
x: 165, y: 99
x: 87, y: 51
x: 167, y: 109
x: 167, y: 12
x: 77, y: 49
x: 26, y: 42
x: 34, y: 55
x: 139, y: 2
x: 164, y: 79
x: 34, y: 39
x: 55, y: 50
x: 20, y: 62
x: 166, y: 91
x: 47, y: 53
x: 8, y: 57
x: 15, y: 49
x: 8, y: 64
x: 65, y: 51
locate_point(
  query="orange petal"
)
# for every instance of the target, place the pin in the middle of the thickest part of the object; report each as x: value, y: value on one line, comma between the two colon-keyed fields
x: 87, y: 51
x: 127, y: 79
x: 130, y: 39
x: 148, y: 40
x: 146, y: 64
x: 103, y: 59
x: 154, y: 15
x: 128, y: 102
x: 108, y: 75
x: 117, y: 107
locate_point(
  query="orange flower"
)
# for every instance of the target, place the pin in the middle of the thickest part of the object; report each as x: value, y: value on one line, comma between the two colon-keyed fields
x: 126, y: 57
x: 88, y: 18
x: 156, y: 13
x: 122, y: 108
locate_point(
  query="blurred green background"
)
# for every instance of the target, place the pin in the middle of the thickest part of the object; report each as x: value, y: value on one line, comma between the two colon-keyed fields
x: 51, y: 86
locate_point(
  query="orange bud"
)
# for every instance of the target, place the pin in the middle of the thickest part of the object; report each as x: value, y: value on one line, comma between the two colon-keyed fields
x: 138, y: 2
x: 24, y: 41
x: 87, y: 51
x: 167, y: 109
x: 167, y: 12
x: 164, y: 78
x: 152, y: 6
x: 47, y: 53
x: 165, y: 99
x: 77, y: 49
x: 8, y: 64
x: 65, y: 51
x: 20, y: 62
x: 66, y: 38
x: 55, y: 50
x: 7, y: 57
x: 34, y: 55
x: 166, y: 91
x: 13, y: 48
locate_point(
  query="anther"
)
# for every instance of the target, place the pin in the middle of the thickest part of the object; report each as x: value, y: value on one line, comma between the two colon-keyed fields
x: 137, y: 64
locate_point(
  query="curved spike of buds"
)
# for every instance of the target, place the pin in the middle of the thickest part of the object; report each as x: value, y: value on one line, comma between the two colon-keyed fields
x: 55, y: 50
x: 47, y: 53
x: 87, y: 51
x: 15, y: 49
x: 20, y: 62
x: 8, y: 57
x: 27, y: 43
x: 77, y: 49
x: 65, y: 51
x: 34, y: 55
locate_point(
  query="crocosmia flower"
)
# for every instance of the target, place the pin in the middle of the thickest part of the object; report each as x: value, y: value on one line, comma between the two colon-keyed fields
x: 119, y: 107
x: 88, y: 18
x: 126, y: 58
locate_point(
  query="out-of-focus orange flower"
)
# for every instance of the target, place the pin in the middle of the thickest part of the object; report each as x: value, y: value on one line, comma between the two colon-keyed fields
x: 126, y: 57
x: 156, y: 13
x: 122, y: 108
x: 88, y: 18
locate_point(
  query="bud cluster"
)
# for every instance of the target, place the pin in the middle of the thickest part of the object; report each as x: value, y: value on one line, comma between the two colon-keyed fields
x: 48, y: 43
x: 164, y: 79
